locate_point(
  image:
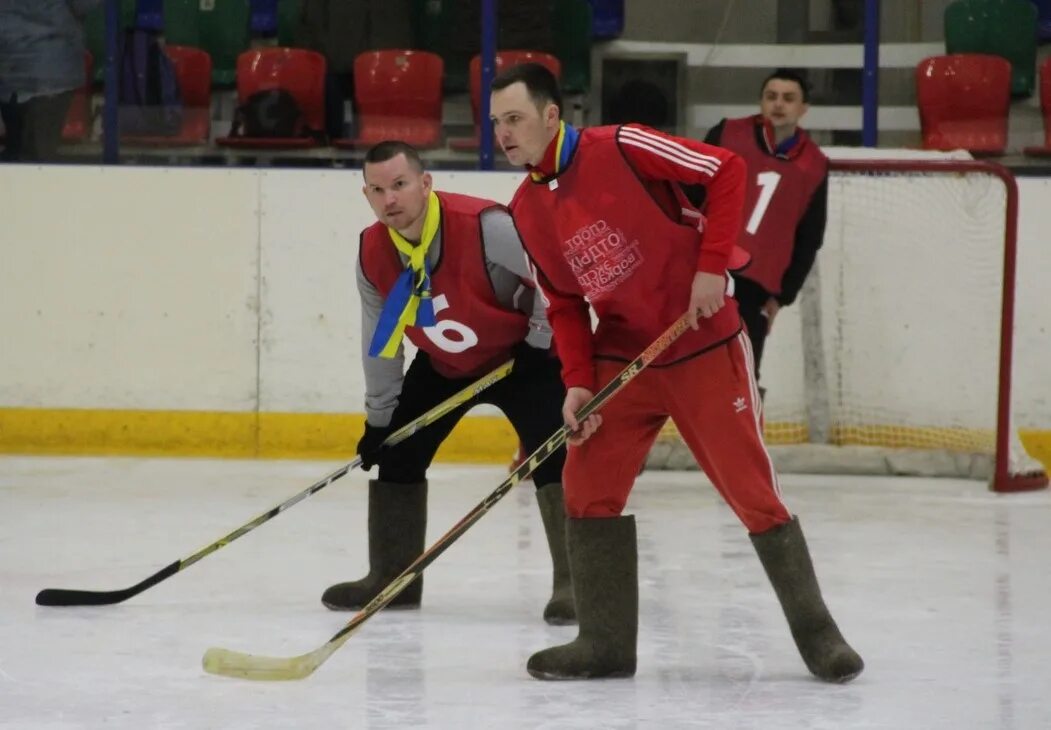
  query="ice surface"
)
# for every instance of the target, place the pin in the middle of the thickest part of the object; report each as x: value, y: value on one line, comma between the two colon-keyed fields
x: 942, y: 586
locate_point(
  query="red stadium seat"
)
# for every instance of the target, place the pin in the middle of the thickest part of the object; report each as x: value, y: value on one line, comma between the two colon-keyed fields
x: 399, y: 96
x: 77, y: 127
x: 1045, y: 108
x: 504, y: 60
x: 964, y: 100
x: 193, y: 68
x: 299, y: 72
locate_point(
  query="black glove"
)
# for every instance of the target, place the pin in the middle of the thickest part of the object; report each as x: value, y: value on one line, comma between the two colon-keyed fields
x: 529, y: 358
x: 371, y: 444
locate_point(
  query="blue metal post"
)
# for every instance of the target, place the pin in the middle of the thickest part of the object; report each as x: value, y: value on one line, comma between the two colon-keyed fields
x: 110, y: 132
x: 489, y: 29
x: 870, y: 77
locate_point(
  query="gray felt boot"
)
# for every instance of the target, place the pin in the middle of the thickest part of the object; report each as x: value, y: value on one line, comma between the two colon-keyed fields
x: 397, y: 527
x: 603, y: 557
x: 784, y: 555
x: 560, y: 610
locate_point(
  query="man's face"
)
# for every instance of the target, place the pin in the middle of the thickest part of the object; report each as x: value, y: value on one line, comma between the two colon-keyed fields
x: 397, y: 191
x: 522, y: 129
x: 782, y: 103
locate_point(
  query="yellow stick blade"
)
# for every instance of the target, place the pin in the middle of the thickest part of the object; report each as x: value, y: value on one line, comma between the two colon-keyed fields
x: 228, y: 663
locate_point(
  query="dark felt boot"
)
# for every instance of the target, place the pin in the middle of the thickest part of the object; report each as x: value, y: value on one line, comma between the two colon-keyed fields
x: 559, y: 610
x: 397, y: 527
x: 784, y: 555
x: 603, y: 558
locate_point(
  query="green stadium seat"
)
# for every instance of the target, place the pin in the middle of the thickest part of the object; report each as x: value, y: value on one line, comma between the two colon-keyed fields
x: 1005, y: 28
x: 435, y: 24
x: 224, y: 35
x: 287, y: 22
x: 571, y: 21
x: 220, y: 29
x: 182, y: 23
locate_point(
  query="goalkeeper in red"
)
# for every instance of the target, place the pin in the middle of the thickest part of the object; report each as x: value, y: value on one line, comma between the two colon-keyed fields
x: 604, y: 222
x: 786, y: 198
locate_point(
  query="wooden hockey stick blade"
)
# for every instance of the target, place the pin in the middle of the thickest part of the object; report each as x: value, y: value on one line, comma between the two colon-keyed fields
x: 229, y: 663
x: 73, y: 597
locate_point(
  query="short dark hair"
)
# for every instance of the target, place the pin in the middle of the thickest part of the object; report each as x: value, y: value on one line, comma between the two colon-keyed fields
x: 391, y: 148
x: 787, y: 74
x: 540, y: 83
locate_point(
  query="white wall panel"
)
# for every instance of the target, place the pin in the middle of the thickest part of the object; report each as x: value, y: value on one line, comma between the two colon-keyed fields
x: 127, y: 288
x: 1031, y: 397
x: 310, y: 312
x: 136, y: 288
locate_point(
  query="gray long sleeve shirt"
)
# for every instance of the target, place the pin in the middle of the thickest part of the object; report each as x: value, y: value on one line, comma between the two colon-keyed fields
x: 505, y: 260
x: 42, y: 46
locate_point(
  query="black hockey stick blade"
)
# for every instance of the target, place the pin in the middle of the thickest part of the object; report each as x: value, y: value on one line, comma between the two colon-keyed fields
x: 72, y: 597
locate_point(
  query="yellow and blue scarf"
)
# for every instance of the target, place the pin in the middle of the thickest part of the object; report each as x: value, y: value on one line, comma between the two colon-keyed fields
x: 409, y: 301
x: 562, y: 147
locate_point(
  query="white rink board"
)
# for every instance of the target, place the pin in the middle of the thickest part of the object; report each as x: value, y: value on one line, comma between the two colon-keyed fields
x: 310, y: 326
x: 128, y: 288
x: 137, y: 288
x: 1032, y: 385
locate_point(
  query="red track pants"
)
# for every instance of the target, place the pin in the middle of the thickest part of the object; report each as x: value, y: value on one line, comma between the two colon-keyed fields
x: 714, y: 401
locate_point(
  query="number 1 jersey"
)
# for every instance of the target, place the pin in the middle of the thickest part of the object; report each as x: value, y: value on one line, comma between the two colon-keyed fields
x: 778, y: 192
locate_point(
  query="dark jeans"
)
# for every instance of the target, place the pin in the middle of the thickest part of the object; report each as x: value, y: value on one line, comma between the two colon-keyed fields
x: 530, y: 398
x: 34, y: 127
x: 750, y: 300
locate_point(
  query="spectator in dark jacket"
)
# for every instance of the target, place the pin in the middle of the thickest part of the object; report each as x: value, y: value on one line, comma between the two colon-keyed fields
x: 342, y: 29
x: 41, y: 65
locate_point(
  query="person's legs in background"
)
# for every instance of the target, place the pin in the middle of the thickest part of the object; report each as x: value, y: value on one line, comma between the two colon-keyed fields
x: 750, y: 301
x: 41, y: 119
x: 339, y: 89
x: 12, y: 116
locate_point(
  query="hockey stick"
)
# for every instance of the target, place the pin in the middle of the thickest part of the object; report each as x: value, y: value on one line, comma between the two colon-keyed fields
x: 249, y: 666
x: 67, y: 597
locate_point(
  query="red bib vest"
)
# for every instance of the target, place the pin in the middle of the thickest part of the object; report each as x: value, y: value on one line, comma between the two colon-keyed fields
x: 474, y: 332
x: 597, y: 233
x: 778, y: 194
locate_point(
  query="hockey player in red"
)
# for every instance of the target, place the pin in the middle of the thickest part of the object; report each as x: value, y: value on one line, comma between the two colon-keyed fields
x: 448, y: 273
x: 785, y: 201
x: 605, y: 223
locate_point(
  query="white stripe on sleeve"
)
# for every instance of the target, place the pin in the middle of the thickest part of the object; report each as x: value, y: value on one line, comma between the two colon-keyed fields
x: 671, y: 147
x: 644, y: 134
x: 660, y: 153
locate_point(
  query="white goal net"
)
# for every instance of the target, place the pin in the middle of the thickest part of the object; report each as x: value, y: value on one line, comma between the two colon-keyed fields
x: 896, y: 357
